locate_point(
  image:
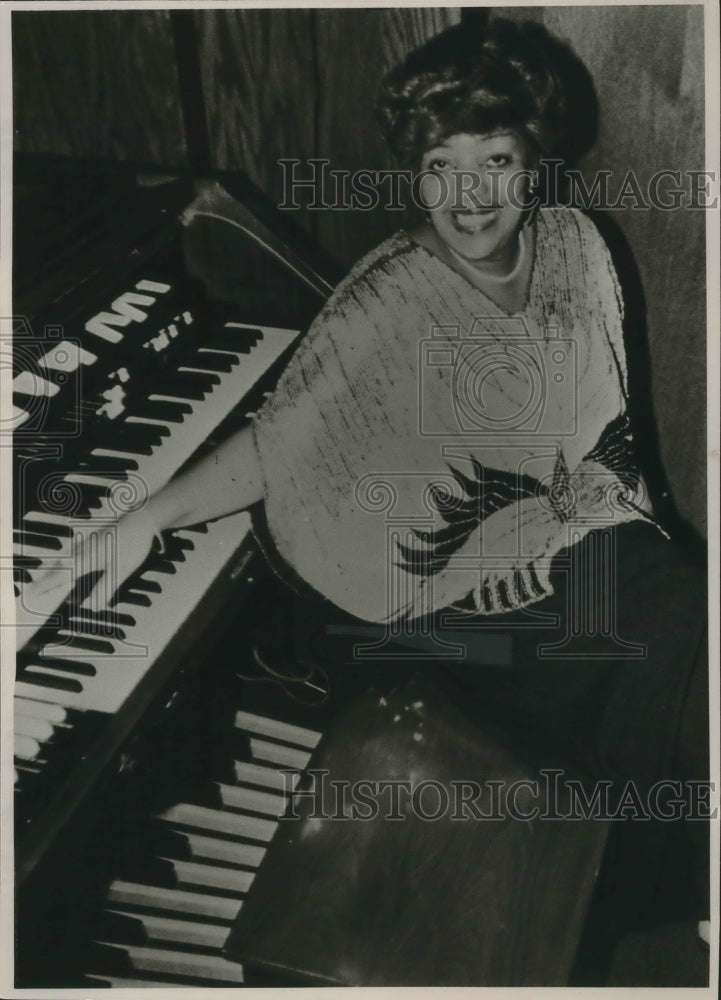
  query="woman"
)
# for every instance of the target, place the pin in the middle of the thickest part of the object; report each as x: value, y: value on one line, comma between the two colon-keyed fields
x: 452, y: 433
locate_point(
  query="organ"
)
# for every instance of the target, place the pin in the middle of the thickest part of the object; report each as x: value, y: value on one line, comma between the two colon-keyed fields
x: 128, y: 364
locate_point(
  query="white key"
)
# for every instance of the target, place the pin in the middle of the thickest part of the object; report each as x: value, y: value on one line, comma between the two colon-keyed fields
x: 155, y: 626
x: 48, y: 518
x: 30, y: 549
x: 25, y: 747
x: 41, y: 710
x: 176, y: 900
x: 277, y: 754
x: 252, y: 800
x: 180, y: 931
x: 112, y: 453
x: 161, y: 961
x: 147, y: 421
x: 266, y: 777
x: 233, y: 824
x: 234, y: 882
x: 276, y: 730
x: 39, y: 729
x: 232, y: 852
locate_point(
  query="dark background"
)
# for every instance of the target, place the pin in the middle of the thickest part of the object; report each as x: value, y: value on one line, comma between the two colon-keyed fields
x: 299, y: 83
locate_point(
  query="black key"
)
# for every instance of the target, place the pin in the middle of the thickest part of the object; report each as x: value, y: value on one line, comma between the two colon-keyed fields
x: 111, y: 618
x: 21, y: 576
x: 174, y: 550
x: 49, y: 542
x: 110, y: 465
x: 80, y: 667
x: 147, y: 586
x: 181, y: 543
x: 94, y: 627
x: 211, y: 361
x: 135, y: 439
x: 151, y: 871
x: 88, y: 643
x: 58, y: 530
x: 165, y: 566
x: 140, y: 600
x: 26, y: 562
x: 232, y: 339
x: 51, y: 681
x: 158, y: 409
x: 185, y: 385
x: 201, y: 528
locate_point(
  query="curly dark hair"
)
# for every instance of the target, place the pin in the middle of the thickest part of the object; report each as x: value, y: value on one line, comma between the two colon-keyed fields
x: 512, y: 76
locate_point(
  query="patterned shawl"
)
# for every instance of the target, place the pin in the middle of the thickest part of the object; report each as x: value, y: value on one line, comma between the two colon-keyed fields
x: 425, y: 449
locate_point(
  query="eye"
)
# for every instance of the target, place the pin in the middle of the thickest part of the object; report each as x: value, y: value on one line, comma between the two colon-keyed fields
x: 499, y: 160
x: 438, y: 164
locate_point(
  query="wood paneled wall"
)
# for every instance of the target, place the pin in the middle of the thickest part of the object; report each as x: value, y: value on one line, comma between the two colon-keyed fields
x: 96, y: 84
x: 647, y: 65
x: 303, y: 85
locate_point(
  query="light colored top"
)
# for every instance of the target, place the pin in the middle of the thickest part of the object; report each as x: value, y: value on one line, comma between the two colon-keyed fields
x: 425, y: 448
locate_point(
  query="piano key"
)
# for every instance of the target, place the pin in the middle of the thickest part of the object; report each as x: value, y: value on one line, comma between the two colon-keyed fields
x: 158, y: 410
x: 46, y: 686
x: 160, y: 426
x: 115, y: 453
x: 87, y: 479
x: 25, y: 548
x: 278, y: 754
x: 35, y: 541
x: 210, y: 361
x: 230, y: 852
x: 28, y: 725
x: 134, y: 597
x: 69, y: 640
x: 48, y: 523
x: 112, y: 618
x: 25, y: 747
x: 266, y: 777
x: 252, y: 800
x: 56, y: 665
x: 122, y: 893
x: 190, y: 932
x: 186, y: 385
x: 148, y: 584
x: 156, y: 620
x: 139, y: 439
x: 120, y: 982
x: 160, y: 961
x: 232, y: 824
x: 54, y: 714
x: 275, y: 729
x: 230, y: 881
x: 162, y: 462
x: 96, y: 626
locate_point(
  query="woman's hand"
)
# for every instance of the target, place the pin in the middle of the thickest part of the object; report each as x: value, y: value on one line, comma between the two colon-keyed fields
x: 110, y: 551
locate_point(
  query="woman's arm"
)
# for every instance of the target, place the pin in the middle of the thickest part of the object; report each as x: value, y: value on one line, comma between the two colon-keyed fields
x: 226, y: 480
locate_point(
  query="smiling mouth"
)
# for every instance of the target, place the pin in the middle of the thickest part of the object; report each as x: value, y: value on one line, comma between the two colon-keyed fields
x: 473, y: 220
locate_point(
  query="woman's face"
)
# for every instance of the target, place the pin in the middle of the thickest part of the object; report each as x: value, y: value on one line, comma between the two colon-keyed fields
x: 476, y: 203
